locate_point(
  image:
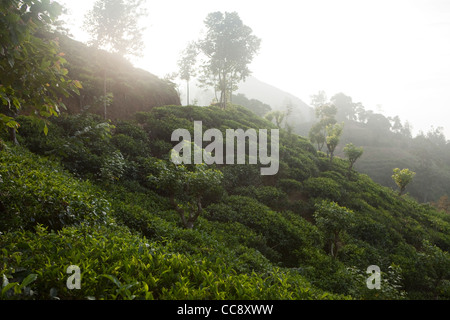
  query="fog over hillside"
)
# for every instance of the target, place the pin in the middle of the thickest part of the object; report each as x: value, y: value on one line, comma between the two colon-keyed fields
x: 254, y: 88
x: 391, y: 55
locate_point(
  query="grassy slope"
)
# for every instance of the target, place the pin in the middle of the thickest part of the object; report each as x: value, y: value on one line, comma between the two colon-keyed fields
x: 385, y: 150
x: 133, y: 89
x: 259, y: 241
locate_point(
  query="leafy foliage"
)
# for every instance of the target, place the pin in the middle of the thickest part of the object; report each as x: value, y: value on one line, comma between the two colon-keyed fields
x: 33, y: 76
x: 353, y: 153
x: 402, y: 178
x: 332, y: 219
x: 113, y: 25
x: 308, y: 232
x: 34, y: 191
x: 187, y: 188
x: 229, y: 46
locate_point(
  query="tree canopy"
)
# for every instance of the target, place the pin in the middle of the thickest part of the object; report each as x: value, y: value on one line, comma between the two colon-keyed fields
x: 353, y: 153
x: 32, y: 77
x: 114, y: 26
x: 186, y: 187
x: 186, y: 65
x: 228, y: 48
x: 402, y: 178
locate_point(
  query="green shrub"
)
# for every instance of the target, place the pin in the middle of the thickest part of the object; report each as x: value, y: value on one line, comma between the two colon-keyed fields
x: 333, y: 220
x: 270, y: 196
x: 82, y: 142
x: 130, y: 147
x: 34, y: 191
x: 290, y: 185
x: 138, y: 219
x: 235, y: 176
x: 321, y: 187
x: 116, y: 264
x: 280, y: 233
x: 160, y: 148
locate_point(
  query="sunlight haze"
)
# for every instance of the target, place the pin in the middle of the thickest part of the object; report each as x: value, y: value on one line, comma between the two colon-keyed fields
x: 393, y: 56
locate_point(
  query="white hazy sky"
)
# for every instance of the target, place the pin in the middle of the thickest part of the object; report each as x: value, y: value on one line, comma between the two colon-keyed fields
x: 391, y: 55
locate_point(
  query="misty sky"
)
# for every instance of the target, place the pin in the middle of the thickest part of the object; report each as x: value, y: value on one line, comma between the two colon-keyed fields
x: 393, y: 56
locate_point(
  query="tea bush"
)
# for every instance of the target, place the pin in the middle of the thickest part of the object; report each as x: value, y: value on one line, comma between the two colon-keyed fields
x: 282, y: 235
x: 116, y: 264
x: 323, y: 188
x: 290, y: 185
x: 82, y: 142
x: 126, y: 235
x: 270, y: 196
x: 34, y: 190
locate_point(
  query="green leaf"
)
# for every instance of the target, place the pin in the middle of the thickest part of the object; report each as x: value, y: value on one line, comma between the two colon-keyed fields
x: 11, y: 61
x: 5, y: 100
x: 29, y: 279
x: 12, y: 124
x: 77, y: 84
x: 16, y: 103
x: 8, y: 287
x: 113, y: 279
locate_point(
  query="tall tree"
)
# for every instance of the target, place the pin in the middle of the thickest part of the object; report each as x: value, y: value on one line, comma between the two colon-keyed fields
x: 319, y: 99
x: 326, y: 114
x: 287, y: 114
x: 361, y: 113
x: 229, y: 47
x: 402, y: 178
x: 353, y: 153
x: 186, y: 66
x: 334, y: 132
x: 317, y: 136
x: 345, y: 105
x: 407, y: 129
x: 436, y: 136
x: 114, y: 26
x: 32, y: 77
x: 396, y: 124
x: 276, y: 115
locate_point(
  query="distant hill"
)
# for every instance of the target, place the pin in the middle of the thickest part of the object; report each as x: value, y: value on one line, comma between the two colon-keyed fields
x: 253, y: 88
x: 385, y: 150
x: 133, y: 89
x: 276, y: 98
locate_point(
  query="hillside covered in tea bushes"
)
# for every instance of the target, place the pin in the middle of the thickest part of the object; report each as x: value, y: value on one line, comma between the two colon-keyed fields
x: 105, y: 197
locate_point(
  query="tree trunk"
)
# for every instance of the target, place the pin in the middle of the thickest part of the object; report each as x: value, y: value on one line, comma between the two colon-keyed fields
x: 187, y: 81
x: 12, y: 136
x: 349, y: 173
x: 193, y: 215
x: 104, y: 92
x: 224, y: 91
x: 189, y: 224
x: 178, y: 210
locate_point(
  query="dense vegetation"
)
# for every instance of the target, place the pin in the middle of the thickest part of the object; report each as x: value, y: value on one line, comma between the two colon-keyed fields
x: 388, y: 143
x: 101, y: 194
x: 126, y: 85
x: 82, y: 196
